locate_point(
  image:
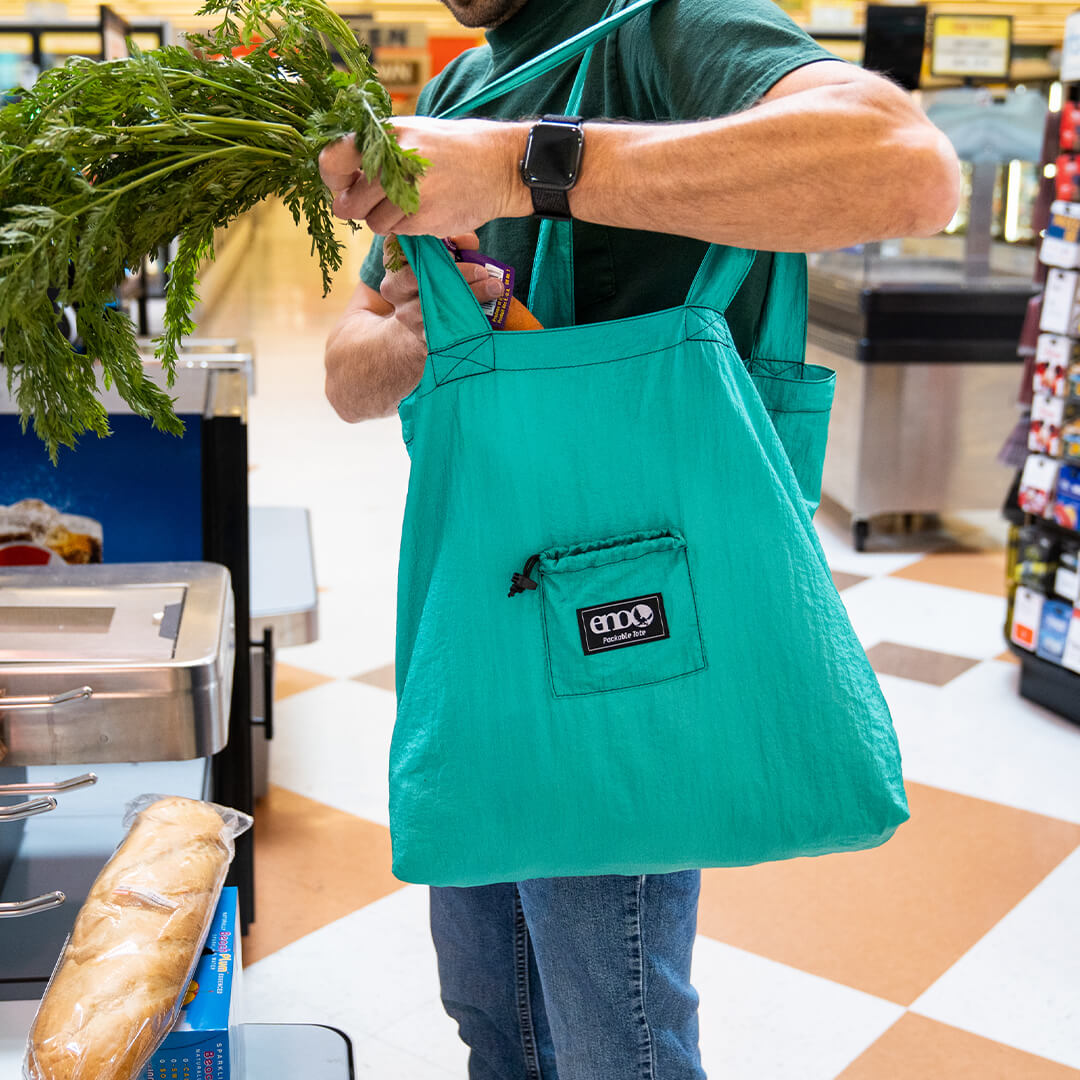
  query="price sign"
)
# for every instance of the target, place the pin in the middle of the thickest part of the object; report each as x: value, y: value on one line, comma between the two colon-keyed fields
x: 381, y: 35
x: 396, y: 72
x: 971, y: 46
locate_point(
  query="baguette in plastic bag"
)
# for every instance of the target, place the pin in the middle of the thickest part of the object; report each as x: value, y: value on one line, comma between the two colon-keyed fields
x: 121, y: 977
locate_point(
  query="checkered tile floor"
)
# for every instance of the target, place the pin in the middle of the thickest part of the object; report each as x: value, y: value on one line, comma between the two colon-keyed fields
x: 951, y: 952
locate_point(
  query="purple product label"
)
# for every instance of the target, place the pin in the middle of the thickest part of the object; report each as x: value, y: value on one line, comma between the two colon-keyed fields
x: 495, y: 309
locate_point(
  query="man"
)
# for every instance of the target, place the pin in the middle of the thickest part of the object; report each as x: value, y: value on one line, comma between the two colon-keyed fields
x: 588, y: 978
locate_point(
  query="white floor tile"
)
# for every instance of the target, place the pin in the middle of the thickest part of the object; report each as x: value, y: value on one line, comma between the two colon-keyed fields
x: 429, y: 1033
x: 378, y: 982
x: 978, y: 737
x: 762, y: 1020
x: 375, y: 1059
x: 926, y: 616
x: 333, y: 744
x: 356, y: 629
x: 1019, y: 983
x: 361, y: 973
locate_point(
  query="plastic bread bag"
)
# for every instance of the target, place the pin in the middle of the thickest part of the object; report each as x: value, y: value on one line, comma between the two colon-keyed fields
x: 120, y: 980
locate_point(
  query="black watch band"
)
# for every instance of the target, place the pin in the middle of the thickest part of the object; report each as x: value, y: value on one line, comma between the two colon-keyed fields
x: 552, y: 163
x: 550, y: 203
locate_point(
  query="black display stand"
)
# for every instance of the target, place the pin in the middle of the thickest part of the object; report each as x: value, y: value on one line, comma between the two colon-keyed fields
x: 1048, y: 684
x: 225, y: 541
x: 1042, y: 681
x: 1054, y: 687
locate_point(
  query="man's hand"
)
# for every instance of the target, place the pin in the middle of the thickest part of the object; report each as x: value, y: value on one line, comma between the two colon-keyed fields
x: 375, y: 354
x: 401, y: 291
x: 472, y: 178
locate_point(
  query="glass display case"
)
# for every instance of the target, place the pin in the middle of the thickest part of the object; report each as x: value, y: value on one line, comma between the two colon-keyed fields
x: 922, y: 332
x: 927, y: 372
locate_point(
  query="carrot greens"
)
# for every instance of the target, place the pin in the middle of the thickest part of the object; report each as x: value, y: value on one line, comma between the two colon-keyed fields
x: 104, y: 163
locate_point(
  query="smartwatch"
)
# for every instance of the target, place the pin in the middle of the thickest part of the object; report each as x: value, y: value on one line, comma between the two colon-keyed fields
x: 552, y: 164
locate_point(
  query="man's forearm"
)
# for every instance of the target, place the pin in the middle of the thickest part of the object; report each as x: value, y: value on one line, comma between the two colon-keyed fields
x: 821, y: 169
x: 372, y: 362
x: 809, y: 172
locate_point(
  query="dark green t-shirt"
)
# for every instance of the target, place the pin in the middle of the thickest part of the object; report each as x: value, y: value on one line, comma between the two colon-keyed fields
x: 681, y: 60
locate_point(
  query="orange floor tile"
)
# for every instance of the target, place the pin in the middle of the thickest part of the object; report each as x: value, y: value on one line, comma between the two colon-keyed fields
x: 382, y: 677
x: 293, y: 680
x: 314, y: 864
x: 924, y: 665
x: 977, y: 571
x: 916, y: 1048
x: 891, y: 920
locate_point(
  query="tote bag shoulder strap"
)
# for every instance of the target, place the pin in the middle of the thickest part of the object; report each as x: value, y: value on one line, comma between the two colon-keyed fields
x: 781, y: 333
x: 547, y: 60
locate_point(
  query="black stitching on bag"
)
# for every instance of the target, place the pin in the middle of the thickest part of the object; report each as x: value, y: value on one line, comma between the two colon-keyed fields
x: 722, y: 336
x: 627, y: 686
x: 562, y: 367
x: 628, y: 558
x: 640, y: 536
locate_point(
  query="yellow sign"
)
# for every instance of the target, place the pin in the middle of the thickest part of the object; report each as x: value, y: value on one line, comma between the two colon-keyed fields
x: 971, y: 46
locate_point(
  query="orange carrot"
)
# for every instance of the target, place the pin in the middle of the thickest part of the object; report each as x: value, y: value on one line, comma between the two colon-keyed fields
x: 519, y: 317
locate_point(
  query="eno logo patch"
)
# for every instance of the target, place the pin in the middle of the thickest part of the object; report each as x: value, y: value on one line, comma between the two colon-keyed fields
x: 622, y: 623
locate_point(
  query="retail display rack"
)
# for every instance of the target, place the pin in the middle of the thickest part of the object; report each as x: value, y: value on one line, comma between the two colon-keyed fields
x: 1043, y: 507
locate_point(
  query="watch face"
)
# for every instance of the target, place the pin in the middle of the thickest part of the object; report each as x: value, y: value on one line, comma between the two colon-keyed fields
x: 553, y: 156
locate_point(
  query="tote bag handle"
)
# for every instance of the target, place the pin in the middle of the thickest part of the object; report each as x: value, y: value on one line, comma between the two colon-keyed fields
x: 781, y: 330
x: 451, y: 312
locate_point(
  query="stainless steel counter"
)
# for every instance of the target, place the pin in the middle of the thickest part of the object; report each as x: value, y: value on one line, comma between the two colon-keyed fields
x: 115, y: 662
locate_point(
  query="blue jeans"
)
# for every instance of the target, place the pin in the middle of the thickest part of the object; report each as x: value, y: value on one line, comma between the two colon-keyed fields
x: 573, y: 978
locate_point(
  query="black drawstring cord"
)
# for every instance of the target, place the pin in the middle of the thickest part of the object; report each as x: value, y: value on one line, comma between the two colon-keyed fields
x: 520, y: 582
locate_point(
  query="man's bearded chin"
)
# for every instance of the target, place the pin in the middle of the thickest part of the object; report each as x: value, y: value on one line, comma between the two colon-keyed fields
x: 485, y: 13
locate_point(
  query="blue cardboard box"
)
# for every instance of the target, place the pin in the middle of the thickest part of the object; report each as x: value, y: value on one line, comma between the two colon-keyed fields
x: 204, y: 1042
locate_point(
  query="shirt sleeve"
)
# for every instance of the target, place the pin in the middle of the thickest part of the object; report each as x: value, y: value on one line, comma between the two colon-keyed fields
x: 698, y: 59
x: 372, y: 270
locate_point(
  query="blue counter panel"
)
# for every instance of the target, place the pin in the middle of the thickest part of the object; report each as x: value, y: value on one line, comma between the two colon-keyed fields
x: 144, y: 487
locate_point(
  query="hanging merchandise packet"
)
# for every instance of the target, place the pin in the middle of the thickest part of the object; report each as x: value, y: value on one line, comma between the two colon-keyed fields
x: 1047, y: 418
x: 1052, y: 357
x: 1037, y: 484
x: 1027, y: 615
x: 497, y: 308
x: 1053, y: 630
x: 1059, y: 299
x: 1067, y: 497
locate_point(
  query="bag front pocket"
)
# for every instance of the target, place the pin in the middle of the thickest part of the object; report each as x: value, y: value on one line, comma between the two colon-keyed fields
x: 619, y: 613
x: 798, y: 399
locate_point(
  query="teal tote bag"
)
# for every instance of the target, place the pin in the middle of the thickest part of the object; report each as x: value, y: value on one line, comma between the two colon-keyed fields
x: 619, y: 645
